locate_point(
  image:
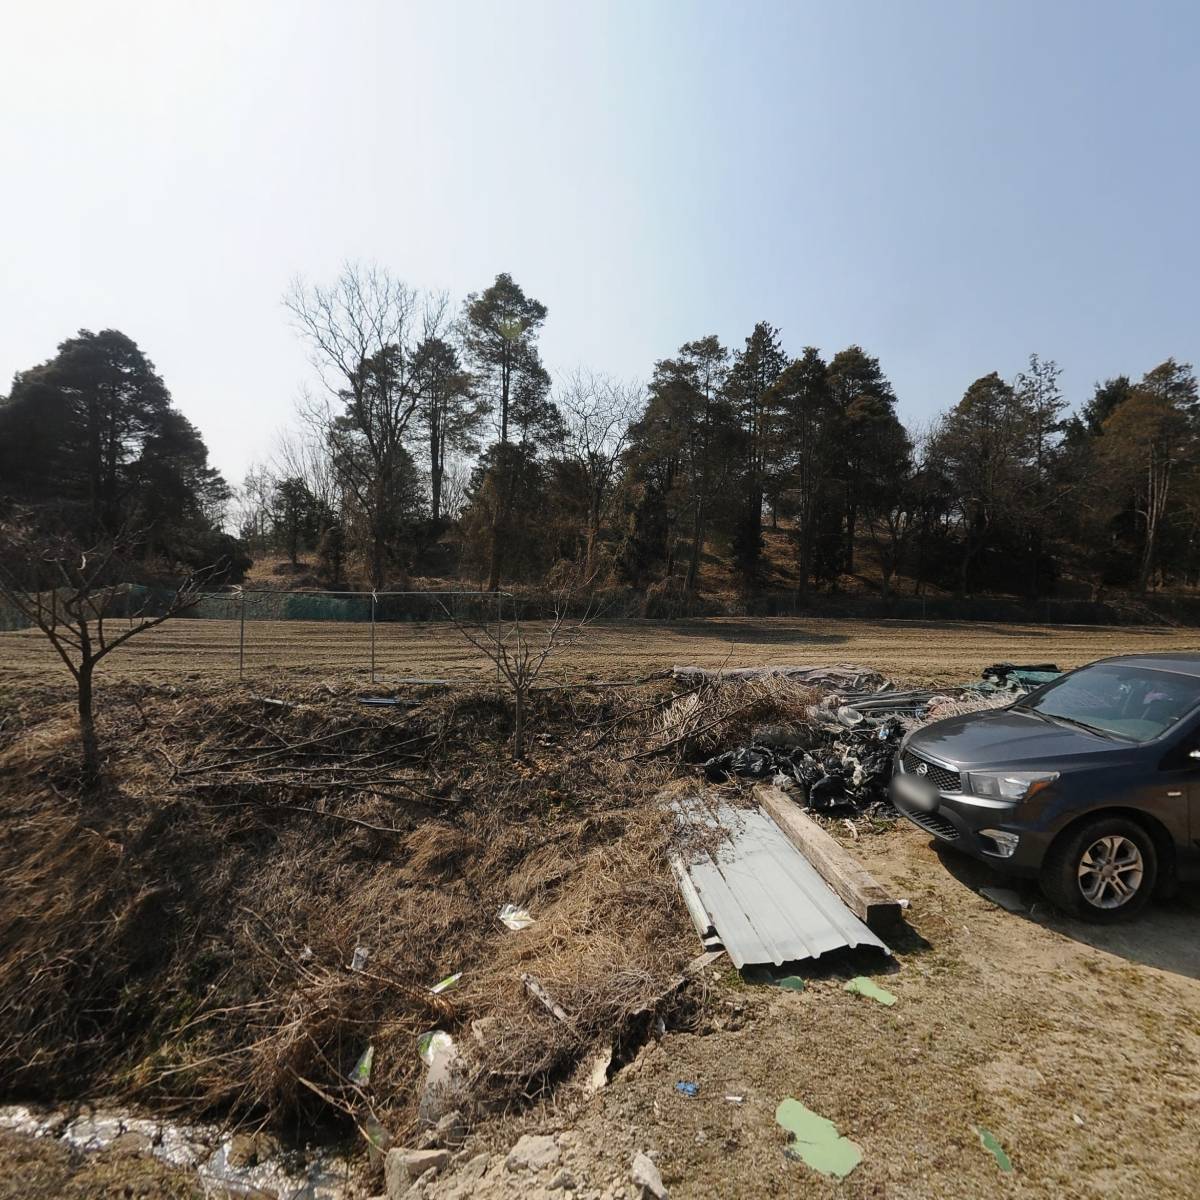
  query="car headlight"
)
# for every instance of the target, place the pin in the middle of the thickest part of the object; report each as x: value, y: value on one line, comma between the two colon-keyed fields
x: 1009, y: 785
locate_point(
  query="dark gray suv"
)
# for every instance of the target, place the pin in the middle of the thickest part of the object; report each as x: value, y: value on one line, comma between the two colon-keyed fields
x: 1091, y: 783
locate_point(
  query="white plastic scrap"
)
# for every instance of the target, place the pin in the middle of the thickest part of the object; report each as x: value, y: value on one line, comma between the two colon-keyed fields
x: 362, y: 1069
x: 435, y: 1044
x: 515, y: 918
x: 361, y: 954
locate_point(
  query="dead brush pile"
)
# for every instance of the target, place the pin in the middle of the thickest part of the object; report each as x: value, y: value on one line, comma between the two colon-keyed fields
x: 185, y: 941
x: 714, y: 715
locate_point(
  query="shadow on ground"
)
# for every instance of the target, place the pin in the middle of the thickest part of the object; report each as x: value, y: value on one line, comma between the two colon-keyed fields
x: 753, y: 633
x: 1163, y: 936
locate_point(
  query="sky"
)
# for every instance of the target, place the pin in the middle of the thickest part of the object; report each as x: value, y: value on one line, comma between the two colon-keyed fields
x: 949, y: 185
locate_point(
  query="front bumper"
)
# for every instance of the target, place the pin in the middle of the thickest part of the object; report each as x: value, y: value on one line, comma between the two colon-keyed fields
x: 959, y: 820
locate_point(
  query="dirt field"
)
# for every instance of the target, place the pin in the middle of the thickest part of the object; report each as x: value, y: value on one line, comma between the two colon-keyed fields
x: 918, y: 651
x: 1075, y: 1046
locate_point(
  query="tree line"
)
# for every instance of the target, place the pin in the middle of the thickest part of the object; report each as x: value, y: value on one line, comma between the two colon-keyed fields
x: 439, y: 446
x: 92, y: 449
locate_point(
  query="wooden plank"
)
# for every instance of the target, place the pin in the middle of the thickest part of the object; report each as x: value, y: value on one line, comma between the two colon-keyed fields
x: 862, y: 893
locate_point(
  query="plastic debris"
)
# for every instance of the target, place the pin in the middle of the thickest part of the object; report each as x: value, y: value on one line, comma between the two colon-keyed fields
x: 687, y: 1089
x: 844, y: 676
x: 378, y: 1138
x: 733, y: 1098
x: 848, y: 769
x: 543, y: 997
x: 515, y: 918
x: 359, y: 961
x: 868, y: 987
x: 765, y: 974
x: 434, y: 1043
x: 444, y: 985
x: 361, y: 1074
x: 991, y: 1144
x: 816, y: 1141
x: 445, y: 1086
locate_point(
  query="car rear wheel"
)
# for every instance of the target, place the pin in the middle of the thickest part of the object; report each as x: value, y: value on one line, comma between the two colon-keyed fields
x: 1103, y: 871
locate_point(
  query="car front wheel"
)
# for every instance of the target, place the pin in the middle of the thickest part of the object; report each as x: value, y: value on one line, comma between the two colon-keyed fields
x: 1103, y: 871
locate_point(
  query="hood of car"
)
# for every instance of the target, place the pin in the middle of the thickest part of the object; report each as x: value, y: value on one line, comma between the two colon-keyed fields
x: 1004, y: 738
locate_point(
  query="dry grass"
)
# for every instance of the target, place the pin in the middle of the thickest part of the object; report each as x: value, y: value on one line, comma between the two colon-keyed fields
x: 186, y: 942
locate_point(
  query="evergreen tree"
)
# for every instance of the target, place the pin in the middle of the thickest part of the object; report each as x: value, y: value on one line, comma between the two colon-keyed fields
x: 90, y: 442
x: 500, y: 331
x: 985, y: 447
x: 873, y: 446
x: 754, y: 371
x: 804, y: 440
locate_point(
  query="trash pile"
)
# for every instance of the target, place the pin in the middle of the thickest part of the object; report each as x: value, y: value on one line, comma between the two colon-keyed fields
x: 841, y: 758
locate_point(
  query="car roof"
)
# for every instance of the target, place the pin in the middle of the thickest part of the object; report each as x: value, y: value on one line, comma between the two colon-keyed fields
x: 1180, y: 662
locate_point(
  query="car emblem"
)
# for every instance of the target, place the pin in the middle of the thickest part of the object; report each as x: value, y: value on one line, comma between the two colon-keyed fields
x: 923, y: 769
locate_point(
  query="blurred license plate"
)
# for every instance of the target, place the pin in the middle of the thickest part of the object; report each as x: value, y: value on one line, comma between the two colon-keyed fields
x: 916, y: 792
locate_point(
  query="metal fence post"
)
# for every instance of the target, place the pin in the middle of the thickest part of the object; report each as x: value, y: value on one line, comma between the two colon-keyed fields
x: 242, y: 634
x: 372, y: 635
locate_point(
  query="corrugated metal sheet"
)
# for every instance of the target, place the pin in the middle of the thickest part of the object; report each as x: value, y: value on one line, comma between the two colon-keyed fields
x: 764, y: 898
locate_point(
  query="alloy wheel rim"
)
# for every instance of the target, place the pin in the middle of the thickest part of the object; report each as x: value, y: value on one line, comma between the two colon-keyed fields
x: 1111, y: 871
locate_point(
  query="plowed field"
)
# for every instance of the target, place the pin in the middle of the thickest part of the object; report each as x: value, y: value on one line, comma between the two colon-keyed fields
x: 913, y: 651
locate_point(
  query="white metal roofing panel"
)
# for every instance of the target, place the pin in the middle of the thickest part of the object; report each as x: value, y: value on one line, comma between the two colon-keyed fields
x: 765, y: 899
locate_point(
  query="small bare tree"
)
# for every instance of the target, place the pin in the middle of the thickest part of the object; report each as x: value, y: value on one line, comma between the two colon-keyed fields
x: 519, y: 650
x: 69, y: 594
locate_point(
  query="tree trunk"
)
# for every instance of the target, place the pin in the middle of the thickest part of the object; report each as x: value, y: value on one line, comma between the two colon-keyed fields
x: 519, y: 724
x: 693, y: 570
x: 87, y: 726
x: 804, y: 558
x: 1147, y: 560
x: 851, y: 522
x: 593, y: 535
x: 378, y: 559
x: 437, y: 468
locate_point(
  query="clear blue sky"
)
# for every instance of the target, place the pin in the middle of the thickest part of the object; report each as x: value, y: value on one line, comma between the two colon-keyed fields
x: 951, y: 185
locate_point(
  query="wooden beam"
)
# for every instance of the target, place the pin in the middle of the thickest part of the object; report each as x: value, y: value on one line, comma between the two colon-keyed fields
x: 862, y: 893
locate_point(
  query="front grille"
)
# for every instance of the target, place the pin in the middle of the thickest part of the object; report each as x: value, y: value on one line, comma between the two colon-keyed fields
x: 942, y: 778
x: 930, y: 822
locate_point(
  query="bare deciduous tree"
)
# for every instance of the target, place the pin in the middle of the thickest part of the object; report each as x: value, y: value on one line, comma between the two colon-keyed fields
x: 304, y: 454
x: 362, y: 333
x: 597, y: 412
x: 70, y: 594
x: 520, y: 650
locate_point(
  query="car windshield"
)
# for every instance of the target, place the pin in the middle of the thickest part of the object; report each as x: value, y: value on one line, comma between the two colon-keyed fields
x: 1125, y: 701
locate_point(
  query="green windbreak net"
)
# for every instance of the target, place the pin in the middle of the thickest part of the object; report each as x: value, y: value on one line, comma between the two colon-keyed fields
x: 350, y: 606
x: 11, y: 617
